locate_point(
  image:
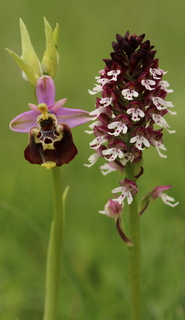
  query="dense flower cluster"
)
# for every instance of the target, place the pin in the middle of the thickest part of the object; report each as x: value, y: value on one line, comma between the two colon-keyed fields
x: 129, y: 116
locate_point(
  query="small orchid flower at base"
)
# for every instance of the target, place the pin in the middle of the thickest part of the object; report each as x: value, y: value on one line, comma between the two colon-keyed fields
x: 48, y: 125
x: 113, y: 209
x: 157, y: 192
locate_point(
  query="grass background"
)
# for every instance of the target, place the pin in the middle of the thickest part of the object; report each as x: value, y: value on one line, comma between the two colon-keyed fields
x: 94, y: 270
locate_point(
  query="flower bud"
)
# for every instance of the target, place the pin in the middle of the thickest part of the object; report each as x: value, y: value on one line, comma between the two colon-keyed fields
x: 112, y: 209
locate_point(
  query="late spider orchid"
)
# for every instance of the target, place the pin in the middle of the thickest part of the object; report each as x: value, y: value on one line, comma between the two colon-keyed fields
x: 50, y: 138
x: 50, y: 143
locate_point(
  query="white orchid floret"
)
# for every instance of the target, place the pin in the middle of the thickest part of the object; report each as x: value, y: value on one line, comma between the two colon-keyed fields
x: 113, y: 153
x: 159, y: 145
x: 136, y: 113
x: 140, y: 142
x: 163, y: 105
x: 92, y: 125
x: 128, y: 189
x: 127, y: 157
x: 96, y: 89
x: 92, y: 159
x: 148, y: 84
x: 106, y: 168
x: 99, y: 87
x: 157, y: 192
x: 129, y: 94
x: 157, y: 73
x: 105, y: 102
x: 119, y: 126
x: 161, y: 122
x: 124, y: 194
x: 103, y: 81
x: 98, y: 111
x: 164, y: 85
x: 97, y: 142
x: 168, y: 200
x: 114, y: 74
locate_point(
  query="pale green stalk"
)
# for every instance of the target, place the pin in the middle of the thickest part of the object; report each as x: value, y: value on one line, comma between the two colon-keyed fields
x: 134, y: 253
x: 54, y: 249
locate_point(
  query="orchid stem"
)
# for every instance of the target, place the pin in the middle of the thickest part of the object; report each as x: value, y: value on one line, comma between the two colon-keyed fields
x: 54, y: 250
x: 134, y: 260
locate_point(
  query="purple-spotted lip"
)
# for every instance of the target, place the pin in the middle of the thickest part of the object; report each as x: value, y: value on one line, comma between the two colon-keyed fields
x: 45, y: 91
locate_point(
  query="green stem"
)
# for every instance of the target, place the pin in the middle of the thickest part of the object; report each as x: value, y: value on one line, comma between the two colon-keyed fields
x: 54, y: 250
x: 134, y: 253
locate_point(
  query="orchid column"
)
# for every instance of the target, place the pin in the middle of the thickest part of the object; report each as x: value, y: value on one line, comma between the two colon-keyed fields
x: 129, y: 118
x: 50, y: 142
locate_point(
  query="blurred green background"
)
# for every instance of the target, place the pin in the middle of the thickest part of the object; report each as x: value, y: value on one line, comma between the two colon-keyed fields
x: 94, y: 281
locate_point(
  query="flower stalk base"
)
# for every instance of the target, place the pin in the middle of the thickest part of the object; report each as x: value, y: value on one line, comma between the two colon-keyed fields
x: 134, y: 263
x: 134, y: 256
x: 54, y: 249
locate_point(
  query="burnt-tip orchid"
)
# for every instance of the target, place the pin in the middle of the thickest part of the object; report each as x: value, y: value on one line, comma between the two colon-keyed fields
x: 130, y: 113
x: 48, y: 125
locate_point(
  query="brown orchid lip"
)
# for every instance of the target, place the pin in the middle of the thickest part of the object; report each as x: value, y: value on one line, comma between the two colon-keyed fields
x: 47, y: 147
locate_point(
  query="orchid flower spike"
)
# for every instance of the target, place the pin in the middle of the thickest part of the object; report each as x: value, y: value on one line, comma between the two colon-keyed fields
x: 130, y: 113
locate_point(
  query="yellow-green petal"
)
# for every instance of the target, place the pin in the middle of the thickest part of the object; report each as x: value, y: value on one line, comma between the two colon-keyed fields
x: 51, y: 58
x: 28, y: 51
x: 31, y: 75
x: 56, y: 35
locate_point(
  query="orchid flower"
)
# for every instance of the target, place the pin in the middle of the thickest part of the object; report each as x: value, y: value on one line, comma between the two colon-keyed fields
x: 157, y: 192
x: 49, y: 124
